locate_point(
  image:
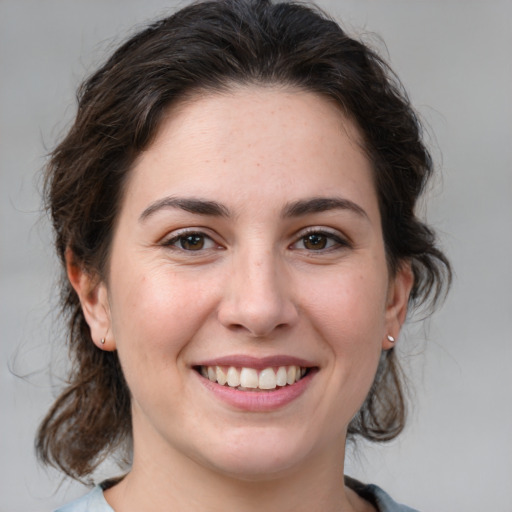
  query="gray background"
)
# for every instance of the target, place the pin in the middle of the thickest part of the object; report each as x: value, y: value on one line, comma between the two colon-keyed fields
x: 454, y: 57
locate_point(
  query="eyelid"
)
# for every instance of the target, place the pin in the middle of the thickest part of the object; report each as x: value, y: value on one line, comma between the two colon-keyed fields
x: 173, y: 237
x: 342, y: 241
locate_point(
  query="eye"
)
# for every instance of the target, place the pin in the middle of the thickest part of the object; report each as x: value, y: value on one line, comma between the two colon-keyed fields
x: 319, y: 241
x: 191, y: 241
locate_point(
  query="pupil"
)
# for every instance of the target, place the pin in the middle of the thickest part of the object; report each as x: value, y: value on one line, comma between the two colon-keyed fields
x: 315, y: 241
x: 192, y: 242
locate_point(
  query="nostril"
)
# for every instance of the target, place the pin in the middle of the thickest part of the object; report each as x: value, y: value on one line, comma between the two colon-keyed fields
x: 237, y: 327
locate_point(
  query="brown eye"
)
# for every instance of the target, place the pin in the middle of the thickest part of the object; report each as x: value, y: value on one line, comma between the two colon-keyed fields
x: 315, y: 241
x: 192, y: 242
x: 320, y: 241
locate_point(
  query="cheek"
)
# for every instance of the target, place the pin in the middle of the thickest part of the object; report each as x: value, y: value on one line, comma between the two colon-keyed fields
x: 349, y: 306
x: 350, y: 315
x: 156, y: 313
x: 154, y: 317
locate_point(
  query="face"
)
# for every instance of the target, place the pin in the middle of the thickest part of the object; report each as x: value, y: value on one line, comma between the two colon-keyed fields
x: 248, y: 294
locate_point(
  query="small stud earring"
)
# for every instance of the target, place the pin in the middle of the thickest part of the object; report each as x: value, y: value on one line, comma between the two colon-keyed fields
x: 391, y: 339
x: 102, y: 341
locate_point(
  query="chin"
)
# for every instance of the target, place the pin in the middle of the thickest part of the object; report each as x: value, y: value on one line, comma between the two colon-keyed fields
x: 258, y: 457
x: 250, y: 468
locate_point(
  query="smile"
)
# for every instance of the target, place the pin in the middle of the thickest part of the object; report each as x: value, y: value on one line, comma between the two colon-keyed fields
x: 250, y: 379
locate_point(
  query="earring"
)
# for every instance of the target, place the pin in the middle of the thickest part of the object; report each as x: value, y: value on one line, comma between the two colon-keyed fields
x: 391, y: 339
x: 102, y: 341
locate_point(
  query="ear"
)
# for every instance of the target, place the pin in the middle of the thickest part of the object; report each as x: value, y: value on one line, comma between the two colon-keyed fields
x: 93, y: 296
x: 397, y: 301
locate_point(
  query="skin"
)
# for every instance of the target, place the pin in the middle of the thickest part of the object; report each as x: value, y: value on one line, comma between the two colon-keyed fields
x: 257, y: 288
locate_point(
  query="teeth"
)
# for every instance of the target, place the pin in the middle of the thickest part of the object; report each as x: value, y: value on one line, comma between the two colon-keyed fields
x: 222, y: 378
x: 290, y: 374
x: 281, y: 376
x: 249, y: 378
x: 267, y: 379
x: 233, y: 377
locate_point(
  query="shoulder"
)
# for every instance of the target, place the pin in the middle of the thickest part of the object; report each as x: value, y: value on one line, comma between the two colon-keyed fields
x: 95, y: 501
x: 92, y: 502
x: 377, y: 497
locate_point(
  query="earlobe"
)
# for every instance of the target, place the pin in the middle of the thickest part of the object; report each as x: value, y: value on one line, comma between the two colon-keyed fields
x: 398, y: 300
x: 92, y: 293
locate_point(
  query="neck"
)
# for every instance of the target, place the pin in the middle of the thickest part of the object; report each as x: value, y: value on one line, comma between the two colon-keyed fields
x: 163, y: 480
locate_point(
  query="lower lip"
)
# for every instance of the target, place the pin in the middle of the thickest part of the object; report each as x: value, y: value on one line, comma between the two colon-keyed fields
x: 258, y: 401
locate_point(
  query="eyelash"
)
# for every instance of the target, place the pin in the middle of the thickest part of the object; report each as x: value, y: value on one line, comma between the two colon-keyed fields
x: 338, y: 241
x: 182, y: 235
x: 335, y: 240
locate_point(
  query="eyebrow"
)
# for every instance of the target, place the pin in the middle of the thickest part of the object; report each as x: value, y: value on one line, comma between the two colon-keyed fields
x: 213, y: 208
x: 189, y: 204
x: 322, y: 204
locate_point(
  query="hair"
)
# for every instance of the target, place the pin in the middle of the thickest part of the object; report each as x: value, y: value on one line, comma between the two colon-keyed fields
x: 207, y: 47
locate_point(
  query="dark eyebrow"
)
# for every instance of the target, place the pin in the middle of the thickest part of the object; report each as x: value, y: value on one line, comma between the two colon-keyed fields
x: 189, y: 204
x: 322, y: 204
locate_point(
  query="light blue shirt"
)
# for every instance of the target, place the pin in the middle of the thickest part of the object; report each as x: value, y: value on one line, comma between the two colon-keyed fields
x: 95, y: 501
x: 92, y: 502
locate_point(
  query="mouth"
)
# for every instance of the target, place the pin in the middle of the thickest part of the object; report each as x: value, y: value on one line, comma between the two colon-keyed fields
x: 251, y: 379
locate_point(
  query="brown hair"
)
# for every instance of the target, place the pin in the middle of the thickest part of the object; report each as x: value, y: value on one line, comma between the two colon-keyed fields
x: 209, y: 46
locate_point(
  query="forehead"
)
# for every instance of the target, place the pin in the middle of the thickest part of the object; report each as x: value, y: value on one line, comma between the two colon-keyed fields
x: 269, y: 114
x: 252, y: 141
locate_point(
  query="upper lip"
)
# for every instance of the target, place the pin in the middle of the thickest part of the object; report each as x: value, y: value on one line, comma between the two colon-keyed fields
x: 258, y: 363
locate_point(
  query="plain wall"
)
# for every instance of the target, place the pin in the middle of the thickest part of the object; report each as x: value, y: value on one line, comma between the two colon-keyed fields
x: 454, y: 58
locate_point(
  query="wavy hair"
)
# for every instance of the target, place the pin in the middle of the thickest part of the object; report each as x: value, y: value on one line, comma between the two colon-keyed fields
x: 212, y: 46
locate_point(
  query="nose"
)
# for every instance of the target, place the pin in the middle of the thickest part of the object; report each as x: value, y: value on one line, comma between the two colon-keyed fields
x: 258, y: 297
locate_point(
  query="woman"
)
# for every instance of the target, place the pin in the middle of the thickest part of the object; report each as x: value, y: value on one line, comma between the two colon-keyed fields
x: 234, y: 209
